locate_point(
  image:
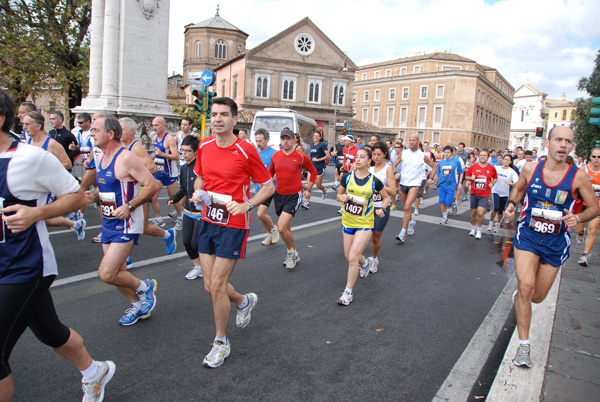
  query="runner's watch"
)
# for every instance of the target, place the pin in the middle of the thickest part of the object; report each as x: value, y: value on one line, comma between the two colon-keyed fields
x: 130, y: 207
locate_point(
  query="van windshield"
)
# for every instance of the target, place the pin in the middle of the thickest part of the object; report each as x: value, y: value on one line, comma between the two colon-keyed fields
x: 273, y: 123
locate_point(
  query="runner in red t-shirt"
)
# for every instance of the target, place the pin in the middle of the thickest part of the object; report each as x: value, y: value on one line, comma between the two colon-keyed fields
x: 224, y: 165
x: 350, y: 151
x: 286, y: 167
x: 483, y: 177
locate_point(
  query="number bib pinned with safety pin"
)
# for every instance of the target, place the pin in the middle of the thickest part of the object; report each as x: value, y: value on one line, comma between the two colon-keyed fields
x: 160, y: 164
x: 108, y: 204
x: 546, y: 221
x: 217, y: 212
x: 355, y: 205
x: 596, y: 188
x: 480, y: 184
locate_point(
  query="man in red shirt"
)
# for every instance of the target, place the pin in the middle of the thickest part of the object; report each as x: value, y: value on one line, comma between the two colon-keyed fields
x: 483, y: 176
x: 224, y: 165
x: 286, y: 168
x: 350, y: 151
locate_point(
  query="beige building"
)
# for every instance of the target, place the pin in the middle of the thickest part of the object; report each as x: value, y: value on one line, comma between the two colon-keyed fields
x: 299, y: 69
x: 560, y: 112
x: 444, y: 97
x: 210, y: 43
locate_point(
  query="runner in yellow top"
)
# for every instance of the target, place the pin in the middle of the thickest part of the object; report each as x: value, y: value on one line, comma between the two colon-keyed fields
x: 592, y: 170
x: 356, y: 193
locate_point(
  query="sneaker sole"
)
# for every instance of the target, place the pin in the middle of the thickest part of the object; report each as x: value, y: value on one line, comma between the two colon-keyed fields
x: 242, y: 325
x: 154, y: 305
x: 112, y: 367
x: 209, y: 365
x: 133, y: 322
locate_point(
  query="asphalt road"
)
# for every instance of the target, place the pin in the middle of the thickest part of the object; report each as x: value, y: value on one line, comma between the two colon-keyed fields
x: 399, y: 339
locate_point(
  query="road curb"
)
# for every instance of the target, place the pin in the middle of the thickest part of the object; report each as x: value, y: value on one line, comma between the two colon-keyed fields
x: 514, y: 383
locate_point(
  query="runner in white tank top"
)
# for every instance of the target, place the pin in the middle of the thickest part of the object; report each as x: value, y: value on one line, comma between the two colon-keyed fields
x: 385, y: 174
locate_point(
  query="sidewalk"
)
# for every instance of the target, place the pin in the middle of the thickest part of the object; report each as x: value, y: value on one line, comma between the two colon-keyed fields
x: 565, y: 337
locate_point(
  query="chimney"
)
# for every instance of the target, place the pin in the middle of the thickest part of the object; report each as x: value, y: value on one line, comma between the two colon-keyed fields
x: 562, y: 97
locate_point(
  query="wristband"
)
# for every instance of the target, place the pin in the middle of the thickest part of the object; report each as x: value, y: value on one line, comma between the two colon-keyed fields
x: 511, y: 202
x: 578, y: 220
x: 249, y: 203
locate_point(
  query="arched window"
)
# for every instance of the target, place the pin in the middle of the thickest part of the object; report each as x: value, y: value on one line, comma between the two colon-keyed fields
x: 564, y: 114
x: 197, y: 48
x: 220, y: 49
x: 259, y: 86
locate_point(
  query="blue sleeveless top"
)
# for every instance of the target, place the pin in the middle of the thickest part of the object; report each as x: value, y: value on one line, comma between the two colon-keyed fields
x: 543, y: 205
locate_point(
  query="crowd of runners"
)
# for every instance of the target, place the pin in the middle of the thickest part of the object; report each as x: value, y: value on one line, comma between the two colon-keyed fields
x: 208, y: 184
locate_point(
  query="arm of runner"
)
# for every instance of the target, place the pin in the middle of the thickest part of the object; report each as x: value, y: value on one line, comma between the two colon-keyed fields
x: 133, y: 167
x: 341, y: 194
x: 385, y: 198
x: 584, y: 186
x: 140, y: 152
x: 23, y: 216
x: 517, y: 193
x: 57, y: 150
x: 170, y: 145
x: 307, y: 164
x: 266, y: 190
x: 181, y: 191
x: 397, y: 162
x: 391, y: 187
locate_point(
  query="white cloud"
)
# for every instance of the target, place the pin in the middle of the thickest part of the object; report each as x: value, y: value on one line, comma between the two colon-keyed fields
x: 554, y: 40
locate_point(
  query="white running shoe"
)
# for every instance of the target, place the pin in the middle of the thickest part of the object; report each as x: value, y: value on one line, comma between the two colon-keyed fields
x: 178, y: 225
x: 444, y: 221
x: 490, y: 226
x: 478, y: 234
x: 374, y: 265
x: 275, y: 234
x: 416, y: 211
x: 472, y: 232
x: 79, y: 228
x: 219, y: 352
x: 324, y: 194
x: 400, y: 237
x: 496, y: 227
x: 583, y: 260
x: 345, y: 299
x: 579, y: 239
x: 194, y: 273
x: 173, y: 214
x: 268, y: 240
x: 242, y: 319
x: 291, y: 259
x: 93, y: 391
x: 363, y: 272
x: 411, y: 227
x: 339, y: 212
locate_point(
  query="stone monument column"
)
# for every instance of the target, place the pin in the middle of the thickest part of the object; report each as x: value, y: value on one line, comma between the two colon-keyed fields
x: 128, y: 59
x: 97, y: 36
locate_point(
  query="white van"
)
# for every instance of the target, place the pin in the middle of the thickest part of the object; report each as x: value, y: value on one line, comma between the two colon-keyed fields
x: 276, y: 119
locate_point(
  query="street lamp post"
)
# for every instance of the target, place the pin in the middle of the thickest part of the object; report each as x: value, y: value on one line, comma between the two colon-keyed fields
x: 336, y: 93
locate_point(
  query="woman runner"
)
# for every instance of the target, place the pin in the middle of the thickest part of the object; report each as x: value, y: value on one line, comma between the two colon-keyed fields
x: 356, y: 192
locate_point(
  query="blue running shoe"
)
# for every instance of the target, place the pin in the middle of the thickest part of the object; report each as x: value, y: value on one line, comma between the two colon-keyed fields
x: 148, y: 298
x: 129, y: 263
x: 171, y: 242
x: 132, y: 315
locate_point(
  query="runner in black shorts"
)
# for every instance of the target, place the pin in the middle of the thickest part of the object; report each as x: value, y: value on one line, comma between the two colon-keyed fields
x: 337, y: 151
x: 27, y: 262
x: 286, y: 167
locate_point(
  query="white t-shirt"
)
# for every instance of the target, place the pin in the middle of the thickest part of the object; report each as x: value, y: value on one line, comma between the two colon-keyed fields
x: 33, y: 173
x: 520, y: 164
x: 413, y: 168
x: 504, y: 175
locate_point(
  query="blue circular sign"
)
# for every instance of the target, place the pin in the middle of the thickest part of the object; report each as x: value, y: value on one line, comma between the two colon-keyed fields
x: 208, y: 77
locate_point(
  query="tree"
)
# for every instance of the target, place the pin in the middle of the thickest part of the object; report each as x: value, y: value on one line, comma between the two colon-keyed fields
x: 586, y: 134
x: 45, y: 43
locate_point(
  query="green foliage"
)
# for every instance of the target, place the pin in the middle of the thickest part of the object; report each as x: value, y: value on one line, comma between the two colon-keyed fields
x: 44, y: 43
x: 586, y: 134
x: 188, y: 111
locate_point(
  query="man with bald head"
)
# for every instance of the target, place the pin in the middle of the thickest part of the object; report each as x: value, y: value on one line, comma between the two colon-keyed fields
x: 165, y: 156
x: 542, y: 240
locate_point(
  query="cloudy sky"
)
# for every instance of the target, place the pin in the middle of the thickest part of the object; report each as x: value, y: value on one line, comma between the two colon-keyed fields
x: 553, y: 43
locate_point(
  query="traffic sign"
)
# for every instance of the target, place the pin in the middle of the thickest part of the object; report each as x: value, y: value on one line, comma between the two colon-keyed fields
x: 208, y: 77
x: 194, y: 75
